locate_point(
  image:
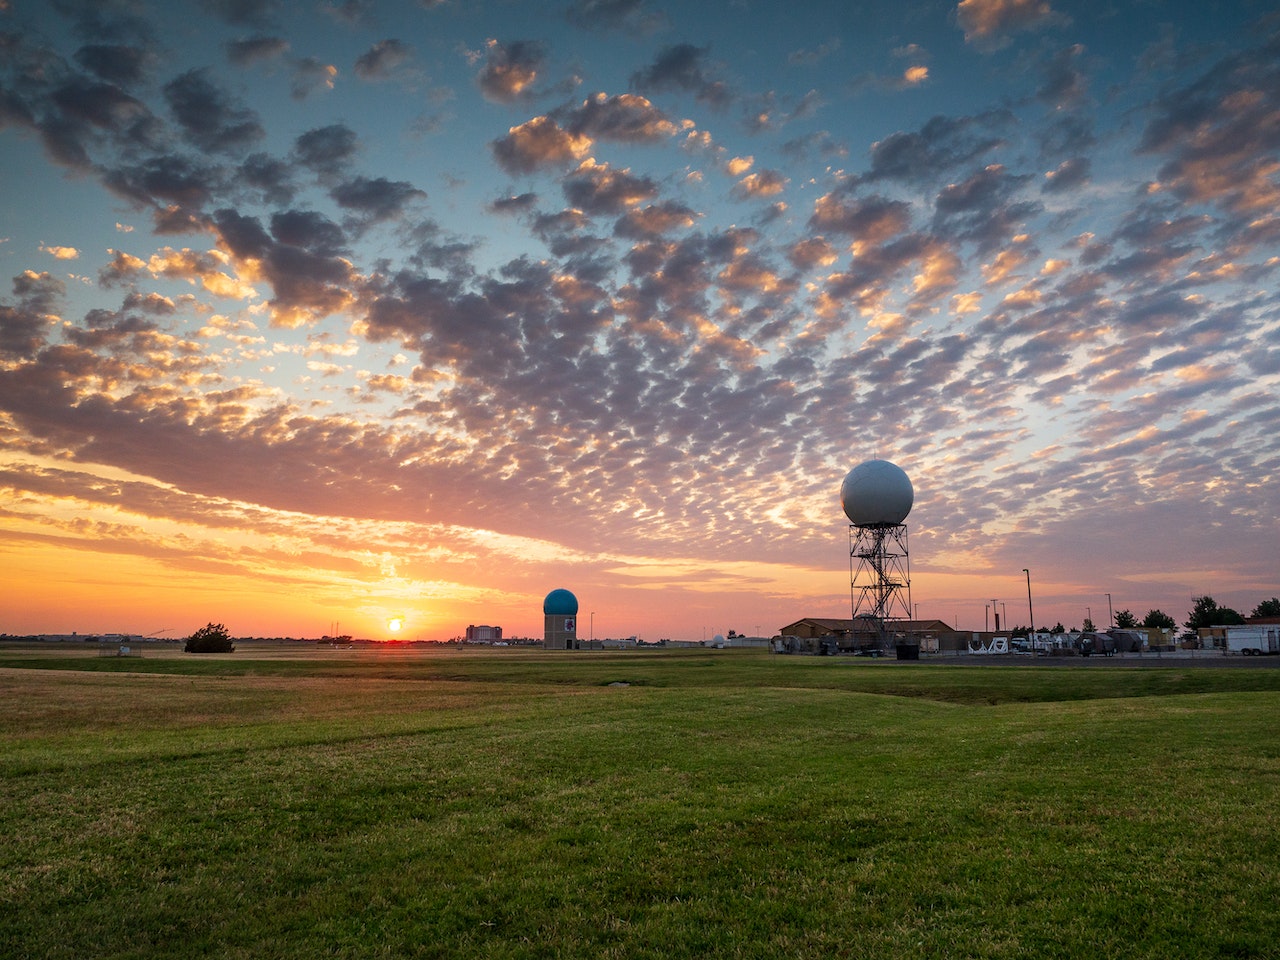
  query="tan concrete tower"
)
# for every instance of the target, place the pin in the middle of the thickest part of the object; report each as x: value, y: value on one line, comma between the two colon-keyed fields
x: 560, y: 621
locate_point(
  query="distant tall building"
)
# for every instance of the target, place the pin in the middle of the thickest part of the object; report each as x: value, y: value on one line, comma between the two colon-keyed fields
x: 483, y: 634
x: 560, y: 621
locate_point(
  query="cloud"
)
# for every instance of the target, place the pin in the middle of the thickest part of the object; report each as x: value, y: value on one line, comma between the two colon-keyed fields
x: 816, y: 54
x: 1219, y: 136
x: 522, y: 203
x: 630, y: 15
x: 536, y: 143
x: 1064, y: 84
x: 61, y: 253
x: 983, y: 208
x: 271, y: 177
x: 122, y: 269
x: 208, y: 268
x: 810, y: 253
x: 374, y: 199
x: 23, y: 327
x: 764, y: 183
x: 511, y: 70
x: 249, y: 13
x: 212, y: 121
x: 380, y: 61
x: 326, y: 150
x: 152, y: 303
x: 597, y: 188
x: 870, y: 220
x: 301, y: 259
x: 354, y: 12
x: 544, y: 141
x: 988, y: 22
x: 310, y: 230
x: 310, y: 75
x: 625, y: 118
x: 101, y: 105
x: 120, y: 332
x: 819, y: 142
x: 251, y: 50
x: 683, y: 67
x: 914, y: 76
x: 171, y: 182
x: 565, y: 233
x: 941, y: 146
x: 654, y: 220
x: 116, y: 63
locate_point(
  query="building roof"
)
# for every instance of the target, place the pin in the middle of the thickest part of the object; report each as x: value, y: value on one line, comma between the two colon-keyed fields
x: 864, y: 625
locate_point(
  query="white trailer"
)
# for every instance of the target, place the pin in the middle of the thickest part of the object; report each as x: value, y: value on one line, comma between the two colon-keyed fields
x: 1253, y: 640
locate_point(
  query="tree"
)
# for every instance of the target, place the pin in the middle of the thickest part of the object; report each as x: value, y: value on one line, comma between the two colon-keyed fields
x: 1207, y: 613
x: 1088, y: 625
x: 210, y: 639
x: 1158, y: 619
x: 1267, y: 608
x: 1125, y: 619
x: 1058, y: 628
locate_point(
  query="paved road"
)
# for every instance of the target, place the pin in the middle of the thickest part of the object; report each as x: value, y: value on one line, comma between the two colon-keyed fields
x: 1180, y: 658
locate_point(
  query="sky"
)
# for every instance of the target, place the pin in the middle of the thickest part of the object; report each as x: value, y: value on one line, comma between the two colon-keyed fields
x: 315, y: 315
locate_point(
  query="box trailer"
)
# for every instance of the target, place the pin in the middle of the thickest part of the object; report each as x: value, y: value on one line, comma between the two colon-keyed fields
x: 1253, y: 641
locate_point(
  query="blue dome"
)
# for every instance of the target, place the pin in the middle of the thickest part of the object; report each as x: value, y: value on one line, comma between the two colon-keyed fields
x: 560, y: 603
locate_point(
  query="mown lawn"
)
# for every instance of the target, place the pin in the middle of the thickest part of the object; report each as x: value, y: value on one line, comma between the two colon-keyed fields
x: 723, y: 804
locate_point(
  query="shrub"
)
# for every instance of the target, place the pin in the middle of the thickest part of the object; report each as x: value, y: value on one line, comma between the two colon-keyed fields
x: 210, y: 639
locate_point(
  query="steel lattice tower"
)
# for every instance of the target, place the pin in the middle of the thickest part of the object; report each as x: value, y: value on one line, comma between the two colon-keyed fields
x: 880, y: 573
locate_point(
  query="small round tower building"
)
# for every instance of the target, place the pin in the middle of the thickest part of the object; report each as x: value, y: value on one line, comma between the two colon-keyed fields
x: 560, y: 621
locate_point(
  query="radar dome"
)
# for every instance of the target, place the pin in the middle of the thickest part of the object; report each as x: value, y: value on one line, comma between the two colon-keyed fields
x: 560, y: 603
x: 876, y: 494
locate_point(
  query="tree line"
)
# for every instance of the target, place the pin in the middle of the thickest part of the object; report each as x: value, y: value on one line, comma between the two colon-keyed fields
x: 1205, y: 613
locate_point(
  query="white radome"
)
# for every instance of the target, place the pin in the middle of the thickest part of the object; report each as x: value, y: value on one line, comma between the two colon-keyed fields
x: 876, y: 494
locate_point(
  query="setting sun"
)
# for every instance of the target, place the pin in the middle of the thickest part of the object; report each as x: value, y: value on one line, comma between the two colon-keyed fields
x: 395, y: 623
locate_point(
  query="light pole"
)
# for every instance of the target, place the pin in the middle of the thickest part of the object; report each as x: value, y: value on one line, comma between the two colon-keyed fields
x: 1030, y: 610
x: 986, y: 618
x: 995, y: 614
x: 1111, y: 617
x: 593, y: 625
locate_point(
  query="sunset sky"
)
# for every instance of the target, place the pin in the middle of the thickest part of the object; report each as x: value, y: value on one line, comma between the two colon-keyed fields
x: 325, y: 313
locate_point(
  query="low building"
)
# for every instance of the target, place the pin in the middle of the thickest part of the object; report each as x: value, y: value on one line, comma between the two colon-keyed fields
x: 483, y: 634
x: 847, y: 636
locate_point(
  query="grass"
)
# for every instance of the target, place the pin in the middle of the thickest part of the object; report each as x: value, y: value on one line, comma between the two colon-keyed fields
x: 724, y: 804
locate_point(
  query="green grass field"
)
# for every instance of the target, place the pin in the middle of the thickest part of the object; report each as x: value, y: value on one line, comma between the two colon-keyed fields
x: 511, y: 803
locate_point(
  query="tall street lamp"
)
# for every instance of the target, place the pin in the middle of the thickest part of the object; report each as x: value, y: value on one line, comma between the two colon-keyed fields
x: 1030, y: 610
x: 1111, y: 617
